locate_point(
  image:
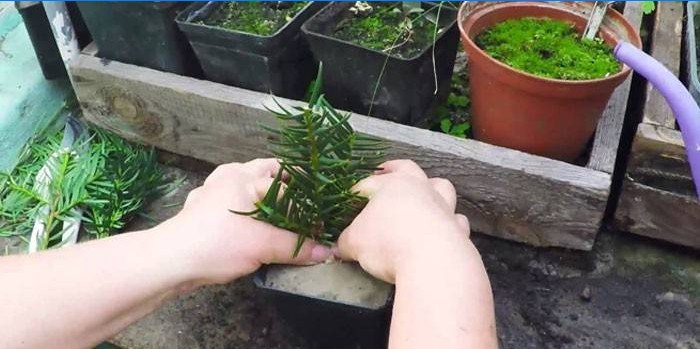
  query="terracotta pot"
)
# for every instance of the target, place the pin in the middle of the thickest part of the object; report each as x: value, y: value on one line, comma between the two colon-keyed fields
x: 518, y: 110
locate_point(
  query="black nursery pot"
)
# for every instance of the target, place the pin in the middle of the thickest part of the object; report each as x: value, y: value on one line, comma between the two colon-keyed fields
x: 406, y: 93
x: 329, y: 323
x: 42, y: 39
x: 140, y: 33
x: 280, y: 63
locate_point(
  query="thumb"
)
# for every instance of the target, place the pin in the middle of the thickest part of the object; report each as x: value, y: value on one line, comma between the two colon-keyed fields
x: 346, y: 249
x: 280, y: 250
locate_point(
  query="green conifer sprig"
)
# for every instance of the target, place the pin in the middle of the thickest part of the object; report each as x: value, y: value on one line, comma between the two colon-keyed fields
x: 110, y: 179
x: 321, y: 159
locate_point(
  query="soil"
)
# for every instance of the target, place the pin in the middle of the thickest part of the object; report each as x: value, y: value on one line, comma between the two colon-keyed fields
x: 261, y: 18
x: 628, y: 292
x: 388, y: 29
x: 548, y: 48
x: 335, y: 281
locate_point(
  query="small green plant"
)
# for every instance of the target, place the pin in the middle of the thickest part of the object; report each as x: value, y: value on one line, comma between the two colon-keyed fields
x: 323, y: 158
x: 262, y: 18
x: 548, y: 48
x: 648, y: 7
x: 458, y: 130
x: 107, y: 178
x: 453, y: 115
x: 455, y: 107
x: 400, y: 29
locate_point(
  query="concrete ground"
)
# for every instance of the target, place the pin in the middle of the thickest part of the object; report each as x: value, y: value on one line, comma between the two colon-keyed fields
x: 628, y: 292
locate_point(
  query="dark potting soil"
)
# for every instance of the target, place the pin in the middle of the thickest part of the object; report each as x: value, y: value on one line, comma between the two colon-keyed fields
x: 387, y: 27
x: 262, y: 18
x: 548, y: 48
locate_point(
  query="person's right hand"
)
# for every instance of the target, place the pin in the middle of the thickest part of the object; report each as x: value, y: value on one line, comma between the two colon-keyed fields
x: 409, y: 219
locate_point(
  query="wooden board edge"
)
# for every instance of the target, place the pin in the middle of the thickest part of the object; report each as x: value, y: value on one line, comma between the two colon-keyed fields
x: 658, y: 214
x: 191, y: 117
x: 659, y: 139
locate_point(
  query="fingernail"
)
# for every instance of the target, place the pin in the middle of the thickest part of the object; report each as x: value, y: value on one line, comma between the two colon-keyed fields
x: 320, y: 253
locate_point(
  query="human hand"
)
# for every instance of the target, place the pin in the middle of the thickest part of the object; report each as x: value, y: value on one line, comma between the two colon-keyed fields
x: 409, y: 218
x: 217, y: 245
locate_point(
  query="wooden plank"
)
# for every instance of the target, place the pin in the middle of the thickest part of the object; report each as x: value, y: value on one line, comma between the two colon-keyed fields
x: 666, y: 48
x: 659, y: 214
x: 609, y: 129
x: 505, y: 192
x: 658, y: 159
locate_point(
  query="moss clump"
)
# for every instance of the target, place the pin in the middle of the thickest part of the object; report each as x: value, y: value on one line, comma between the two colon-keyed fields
x: 261, y: 18
x: 386, y: 27
x: 548, y: 48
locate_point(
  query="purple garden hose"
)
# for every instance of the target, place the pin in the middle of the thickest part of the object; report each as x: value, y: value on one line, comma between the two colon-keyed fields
x: 677, y: 96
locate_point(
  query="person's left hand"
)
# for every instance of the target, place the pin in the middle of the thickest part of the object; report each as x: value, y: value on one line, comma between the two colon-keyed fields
x: 218, y: 245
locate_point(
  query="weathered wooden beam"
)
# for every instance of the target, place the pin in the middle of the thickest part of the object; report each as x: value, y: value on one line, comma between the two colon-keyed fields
x: 505, y: 193
x: 609, y: 130
x: 666, y: 48
x: 659, y: 214
x: 658, y: 159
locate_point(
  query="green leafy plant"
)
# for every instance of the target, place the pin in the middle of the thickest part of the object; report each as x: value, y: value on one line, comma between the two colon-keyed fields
x: 648, y: 7
x: 262, y: 18
x: 453, y: 115
x: 399, y: 29
x: 321, y: 159
x: 457, y: 130
x: 103, y: 175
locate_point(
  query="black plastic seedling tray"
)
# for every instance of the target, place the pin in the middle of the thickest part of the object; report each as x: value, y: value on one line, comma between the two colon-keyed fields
x: 140, y: 33
x: 281, y: 63
x: 406, y: 93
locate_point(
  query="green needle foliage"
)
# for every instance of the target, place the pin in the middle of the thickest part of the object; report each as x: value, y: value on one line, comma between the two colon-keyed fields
x: 131, y: 176
x: 106, y: 177
x: 322, y: 158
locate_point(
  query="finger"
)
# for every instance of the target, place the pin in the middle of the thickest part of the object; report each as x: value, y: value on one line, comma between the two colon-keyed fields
x: 280, y: 250
x: 463, y: 223
x: 346, y: 248
x: 222, y: 171
x: 194, y: 194
x: 263, y: 167
x: 407, y: 167
x: 262, y: 186
x: 446, y: 190
x: 369, y: 186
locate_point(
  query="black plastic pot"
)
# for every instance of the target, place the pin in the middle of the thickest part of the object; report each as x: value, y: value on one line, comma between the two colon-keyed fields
x: 140, y: 33
x: 330, y: 324
x: 42, y: 39
x: 79, y: 26
x: 406, y: 92
x: 280, y: 63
